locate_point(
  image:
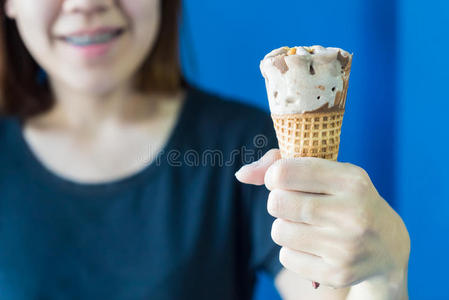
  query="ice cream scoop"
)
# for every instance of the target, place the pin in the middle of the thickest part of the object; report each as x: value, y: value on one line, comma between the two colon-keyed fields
x: 305, y: 79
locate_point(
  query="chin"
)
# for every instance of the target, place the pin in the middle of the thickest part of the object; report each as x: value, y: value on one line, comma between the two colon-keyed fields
x: 100, y: 87
x: 94, y: 84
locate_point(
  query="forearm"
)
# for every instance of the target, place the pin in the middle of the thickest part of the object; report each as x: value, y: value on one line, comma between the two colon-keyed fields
x: 381, y: 288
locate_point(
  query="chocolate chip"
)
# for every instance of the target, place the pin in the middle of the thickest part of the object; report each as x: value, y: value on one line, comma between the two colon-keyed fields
x: 280, y: 64
x: 344, y: 60
x: 311, y: 70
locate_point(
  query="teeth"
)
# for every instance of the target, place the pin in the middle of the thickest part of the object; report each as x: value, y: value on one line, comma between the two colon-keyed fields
x: 85, y: 40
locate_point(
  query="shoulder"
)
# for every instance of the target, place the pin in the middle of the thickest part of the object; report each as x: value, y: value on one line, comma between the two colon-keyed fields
x: 228, y: 116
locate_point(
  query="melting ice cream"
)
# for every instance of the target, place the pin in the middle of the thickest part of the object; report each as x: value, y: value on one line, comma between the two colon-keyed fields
x: 306, y: 79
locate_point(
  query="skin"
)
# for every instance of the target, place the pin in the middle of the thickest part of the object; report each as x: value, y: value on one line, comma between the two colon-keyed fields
x: 334, y: 228
x: 107, y: 128
x: 346, y: 237
x: 41, y: 23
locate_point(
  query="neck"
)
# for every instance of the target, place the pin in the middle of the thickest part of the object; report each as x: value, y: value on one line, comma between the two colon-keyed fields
x: 90, y: 111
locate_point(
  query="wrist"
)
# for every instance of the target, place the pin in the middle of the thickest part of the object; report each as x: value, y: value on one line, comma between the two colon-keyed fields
x: 395, y: 283
x: 391, y: 281
x: 392, y: 285
x: 396, y: 251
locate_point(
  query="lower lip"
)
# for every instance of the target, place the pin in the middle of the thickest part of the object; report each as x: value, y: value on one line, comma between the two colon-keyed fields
x: 94, y: 50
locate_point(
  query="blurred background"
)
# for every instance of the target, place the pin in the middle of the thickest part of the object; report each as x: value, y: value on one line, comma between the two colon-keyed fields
x: 395, y: 122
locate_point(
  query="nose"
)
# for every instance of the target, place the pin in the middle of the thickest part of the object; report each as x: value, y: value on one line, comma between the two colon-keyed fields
x: 87, y: 7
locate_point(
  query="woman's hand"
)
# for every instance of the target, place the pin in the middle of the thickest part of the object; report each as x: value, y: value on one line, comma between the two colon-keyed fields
x: 333, y: 226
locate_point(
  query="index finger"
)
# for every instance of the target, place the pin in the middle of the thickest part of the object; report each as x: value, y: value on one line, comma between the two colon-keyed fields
x: 309, y: 174
x: 299, y: 207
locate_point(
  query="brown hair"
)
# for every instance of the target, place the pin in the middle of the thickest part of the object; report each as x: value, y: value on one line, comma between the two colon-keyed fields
x: 24, y: 93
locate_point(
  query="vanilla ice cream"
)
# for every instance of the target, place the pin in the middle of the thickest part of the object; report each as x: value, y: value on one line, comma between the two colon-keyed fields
x: 306, y: 79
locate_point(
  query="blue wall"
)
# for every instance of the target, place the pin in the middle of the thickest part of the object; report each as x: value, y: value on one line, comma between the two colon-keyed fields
x: 386, y: 129
x: 227, y: 40
x: 423, y: 142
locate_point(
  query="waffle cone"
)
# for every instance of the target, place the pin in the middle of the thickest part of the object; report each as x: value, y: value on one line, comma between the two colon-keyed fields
x: 313, y: 134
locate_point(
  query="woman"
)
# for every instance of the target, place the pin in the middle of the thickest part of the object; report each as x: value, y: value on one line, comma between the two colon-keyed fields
x: 117, y: 179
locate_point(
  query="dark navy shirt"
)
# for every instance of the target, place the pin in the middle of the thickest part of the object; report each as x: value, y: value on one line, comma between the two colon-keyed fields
x: 182, y: 228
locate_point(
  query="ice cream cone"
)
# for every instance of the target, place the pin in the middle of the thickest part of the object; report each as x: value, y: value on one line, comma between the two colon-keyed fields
x: 307, y: 89
x: 309, y: 134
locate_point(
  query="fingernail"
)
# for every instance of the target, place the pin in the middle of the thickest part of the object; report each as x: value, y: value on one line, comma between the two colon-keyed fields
x: 238, y: 173
x: 244, y: 167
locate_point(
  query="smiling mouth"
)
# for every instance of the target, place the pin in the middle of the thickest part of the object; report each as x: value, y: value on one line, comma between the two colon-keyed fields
x: 84, y: 40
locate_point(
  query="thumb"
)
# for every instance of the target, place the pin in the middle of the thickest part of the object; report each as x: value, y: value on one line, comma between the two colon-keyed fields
x: 254, y: 173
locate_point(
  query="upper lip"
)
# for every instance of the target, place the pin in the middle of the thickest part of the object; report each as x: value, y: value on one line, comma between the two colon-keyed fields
x: 91, y: 32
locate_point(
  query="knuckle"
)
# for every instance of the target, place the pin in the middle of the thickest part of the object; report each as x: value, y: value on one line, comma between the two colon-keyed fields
x: 359, y: 181
x: 275, y: 203
x: 345, y: 262
x: 283, y: 257
x: 362, y: 224
x: 309, y: 209
x: 353, y: 248
x: 277, y: 174
x: 276, y: 232
x: 342, y: 278
x: 357, y: 233
x: 349, y: 254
